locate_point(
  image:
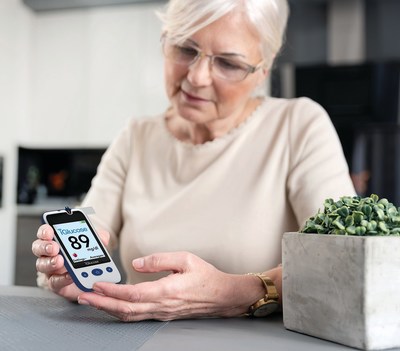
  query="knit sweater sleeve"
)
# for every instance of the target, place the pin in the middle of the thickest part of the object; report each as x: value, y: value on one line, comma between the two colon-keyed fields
x: 318, y: 169
x: 106, y: 192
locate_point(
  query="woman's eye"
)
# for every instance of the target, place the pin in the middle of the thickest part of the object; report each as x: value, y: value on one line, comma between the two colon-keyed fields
x: 187, y: 51
x: 228, y: 64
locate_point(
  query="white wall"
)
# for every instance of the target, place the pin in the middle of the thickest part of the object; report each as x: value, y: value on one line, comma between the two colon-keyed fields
x: 93, y: 69
x: 14, y: 33
x: 71, y: 78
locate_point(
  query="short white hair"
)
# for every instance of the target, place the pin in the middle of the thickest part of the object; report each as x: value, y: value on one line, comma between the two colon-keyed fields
x: 183, y: 18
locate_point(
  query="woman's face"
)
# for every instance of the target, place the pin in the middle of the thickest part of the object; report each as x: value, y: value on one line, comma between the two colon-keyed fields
x: 195, y: 92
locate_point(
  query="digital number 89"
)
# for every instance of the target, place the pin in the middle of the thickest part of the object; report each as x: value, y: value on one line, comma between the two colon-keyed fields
x: 76, y: 241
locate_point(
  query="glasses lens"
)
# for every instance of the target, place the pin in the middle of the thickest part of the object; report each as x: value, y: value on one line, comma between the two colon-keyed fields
x: 223, y: 67
x: 229, y: 69
x: 180, y: 54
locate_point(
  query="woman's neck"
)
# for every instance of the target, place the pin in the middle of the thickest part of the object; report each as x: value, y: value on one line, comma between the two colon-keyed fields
x: 195, y: 133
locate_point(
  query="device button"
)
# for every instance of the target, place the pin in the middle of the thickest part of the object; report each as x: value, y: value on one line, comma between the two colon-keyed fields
x: 109, y: 269
x: 84, y: 274
x: 97, y: 271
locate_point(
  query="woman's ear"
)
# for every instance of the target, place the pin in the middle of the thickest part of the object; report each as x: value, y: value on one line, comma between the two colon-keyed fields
x: 264, y: 74
x: 261, y: 83
x: 262, y: 77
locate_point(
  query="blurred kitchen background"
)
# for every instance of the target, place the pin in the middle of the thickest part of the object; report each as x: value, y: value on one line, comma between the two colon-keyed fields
x: 72, y: 72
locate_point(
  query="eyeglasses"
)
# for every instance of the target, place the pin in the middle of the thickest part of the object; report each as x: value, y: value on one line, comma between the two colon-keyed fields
x: 222, y: 66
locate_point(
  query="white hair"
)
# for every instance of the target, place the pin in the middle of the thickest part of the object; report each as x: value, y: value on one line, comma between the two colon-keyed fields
x: 183, y: 18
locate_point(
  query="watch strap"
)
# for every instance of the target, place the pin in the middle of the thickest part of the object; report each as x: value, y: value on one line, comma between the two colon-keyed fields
x: 270, y: 290
x: 271, y: 294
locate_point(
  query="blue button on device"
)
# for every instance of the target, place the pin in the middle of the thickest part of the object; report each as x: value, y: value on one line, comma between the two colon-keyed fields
x: 97, y: 271
x: 84, y: 274
x: 109, y: 269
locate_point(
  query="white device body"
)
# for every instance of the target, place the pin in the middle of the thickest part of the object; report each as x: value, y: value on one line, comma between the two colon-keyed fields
x: 85, y: 257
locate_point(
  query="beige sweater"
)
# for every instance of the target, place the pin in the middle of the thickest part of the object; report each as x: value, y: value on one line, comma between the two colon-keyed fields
x: 229, y: 200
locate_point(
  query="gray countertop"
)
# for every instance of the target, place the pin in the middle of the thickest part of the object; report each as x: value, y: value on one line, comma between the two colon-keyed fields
x: 34, y: 319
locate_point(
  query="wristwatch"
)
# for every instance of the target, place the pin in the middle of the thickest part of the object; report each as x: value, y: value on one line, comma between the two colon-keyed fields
x: 269, y: 303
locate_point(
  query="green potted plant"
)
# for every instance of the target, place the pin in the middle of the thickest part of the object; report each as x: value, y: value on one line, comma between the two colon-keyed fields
x: 341, y: 274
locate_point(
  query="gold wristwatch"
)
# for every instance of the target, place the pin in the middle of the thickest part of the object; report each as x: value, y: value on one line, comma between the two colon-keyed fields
x: 269, y: 303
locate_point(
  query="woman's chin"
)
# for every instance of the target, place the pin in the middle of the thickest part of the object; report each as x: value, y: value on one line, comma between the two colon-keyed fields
x: 192, y: 112
x: 195, y: 116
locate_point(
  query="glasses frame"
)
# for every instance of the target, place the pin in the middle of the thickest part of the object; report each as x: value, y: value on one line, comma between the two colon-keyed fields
x: 250, y: 69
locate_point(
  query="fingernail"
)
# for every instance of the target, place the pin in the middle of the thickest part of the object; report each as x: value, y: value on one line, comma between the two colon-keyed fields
x: 53, y: 261
x: 97, y: 289
x: 138, y: 263
x: 49, y: 248
x: 83, y: 302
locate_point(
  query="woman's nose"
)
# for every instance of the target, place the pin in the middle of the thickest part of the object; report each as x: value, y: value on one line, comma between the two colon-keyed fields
x: 199, y: 73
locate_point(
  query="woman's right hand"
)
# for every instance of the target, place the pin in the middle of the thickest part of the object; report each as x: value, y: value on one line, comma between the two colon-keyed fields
x: 50, y: 264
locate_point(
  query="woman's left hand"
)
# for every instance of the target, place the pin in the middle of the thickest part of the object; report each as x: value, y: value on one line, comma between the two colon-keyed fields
x: 194, y: 289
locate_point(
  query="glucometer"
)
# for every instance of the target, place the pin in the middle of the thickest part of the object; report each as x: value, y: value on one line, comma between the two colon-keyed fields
x: 85, y: 257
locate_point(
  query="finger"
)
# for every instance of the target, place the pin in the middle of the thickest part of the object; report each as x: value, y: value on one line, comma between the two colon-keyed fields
x: 50, y: 265
x: 139, y: 293
x: 123, y: 310
x: 45, y: 232
x: 45, y: 248
x: 177, y: 262
x: 104, y: 236
x: 58, y: 281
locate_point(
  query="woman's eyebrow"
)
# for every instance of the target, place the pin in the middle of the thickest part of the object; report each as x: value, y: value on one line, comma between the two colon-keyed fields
x: 235, y: 54
x: 191, y: 42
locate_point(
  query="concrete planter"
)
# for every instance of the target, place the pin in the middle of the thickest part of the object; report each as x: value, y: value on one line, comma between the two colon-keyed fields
x: 343, y: 288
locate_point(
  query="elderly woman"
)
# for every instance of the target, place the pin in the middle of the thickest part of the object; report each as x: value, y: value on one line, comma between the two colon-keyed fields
x: 200, y: 196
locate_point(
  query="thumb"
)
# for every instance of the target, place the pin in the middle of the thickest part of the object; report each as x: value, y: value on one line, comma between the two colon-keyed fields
x: 104, y: 236
x: 177, y: 262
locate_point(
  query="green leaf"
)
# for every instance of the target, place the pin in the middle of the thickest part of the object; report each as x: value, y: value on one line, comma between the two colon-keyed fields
x: 382, y: 226
x: 395, y: 219
x: 383, y: 202
x: 360, y: 230
x: 338, y: 224
x: 356, y: 216
x: 349, y: 221
x: 367, y: 210
x: 379, y: 212
x: 343, y: 211
x: 374, y: 197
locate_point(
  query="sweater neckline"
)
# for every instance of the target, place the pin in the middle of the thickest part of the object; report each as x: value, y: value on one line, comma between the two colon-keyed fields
x: 222, y: 139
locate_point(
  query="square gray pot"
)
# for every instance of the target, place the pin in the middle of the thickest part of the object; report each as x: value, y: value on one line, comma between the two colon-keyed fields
x: 343, y: 288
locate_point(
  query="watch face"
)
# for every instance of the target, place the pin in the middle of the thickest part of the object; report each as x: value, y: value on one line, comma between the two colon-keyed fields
x: 266, y: 309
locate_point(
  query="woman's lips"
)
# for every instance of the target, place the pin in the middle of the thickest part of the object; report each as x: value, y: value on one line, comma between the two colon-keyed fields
x: 193, y: 98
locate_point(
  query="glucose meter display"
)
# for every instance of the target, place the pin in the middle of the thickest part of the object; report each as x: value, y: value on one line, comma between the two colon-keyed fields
x: 80, y: 244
